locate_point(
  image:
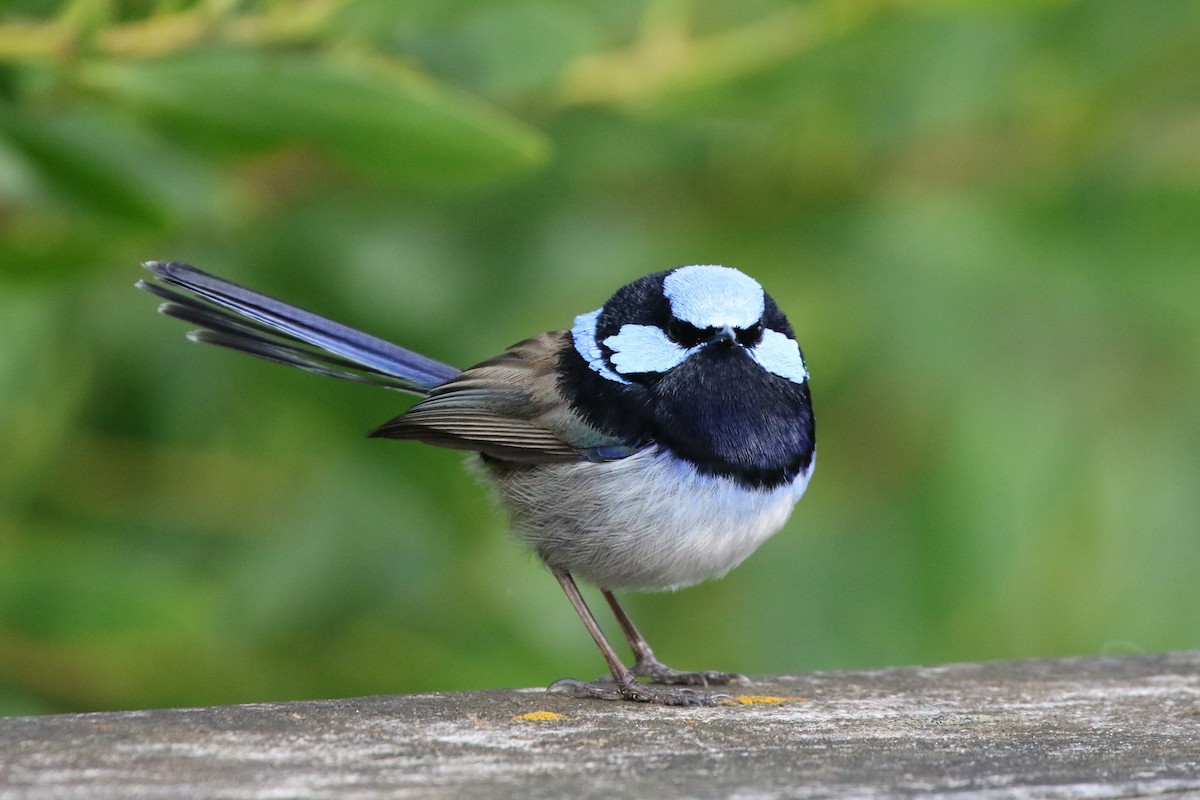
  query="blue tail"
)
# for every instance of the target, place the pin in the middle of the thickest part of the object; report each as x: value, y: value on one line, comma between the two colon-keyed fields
x: 265, y: 327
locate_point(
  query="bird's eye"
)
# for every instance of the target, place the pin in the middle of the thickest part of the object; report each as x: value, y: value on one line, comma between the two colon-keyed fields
x: 684, y: 334
x: 748, y: 337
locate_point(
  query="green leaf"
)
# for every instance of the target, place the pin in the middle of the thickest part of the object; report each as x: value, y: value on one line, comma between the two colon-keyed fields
x: 78, y: 182
x: 70, y: 158
x: 375, y: 117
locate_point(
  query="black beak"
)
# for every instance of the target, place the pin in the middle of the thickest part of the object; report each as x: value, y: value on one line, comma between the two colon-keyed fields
x: 724, y: 336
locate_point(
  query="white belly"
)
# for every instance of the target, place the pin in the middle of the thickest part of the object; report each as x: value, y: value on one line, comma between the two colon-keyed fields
x: 647, y: 522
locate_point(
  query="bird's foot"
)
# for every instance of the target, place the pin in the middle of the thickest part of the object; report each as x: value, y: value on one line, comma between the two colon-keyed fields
x: 658, y: 672
x: 609, y: 689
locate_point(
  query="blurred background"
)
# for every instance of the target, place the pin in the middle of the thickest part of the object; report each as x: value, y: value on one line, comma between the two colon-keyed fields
x: 982, y: 218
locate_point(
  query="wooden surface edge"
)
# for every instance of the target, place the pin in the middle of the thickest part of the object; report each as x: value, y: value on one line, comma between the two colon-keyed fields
x: 1119, y: 726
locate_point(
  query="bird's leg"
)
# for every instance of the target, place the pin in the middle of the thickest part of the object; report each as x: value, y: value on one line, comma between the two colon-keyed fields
x: 624, y: 685
x: 646, y: 665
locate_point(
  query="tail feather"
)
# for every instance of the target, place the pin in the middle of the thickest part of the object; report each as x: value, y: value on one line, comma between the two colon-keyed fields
x: 225, y: 329
x: 267, y: 328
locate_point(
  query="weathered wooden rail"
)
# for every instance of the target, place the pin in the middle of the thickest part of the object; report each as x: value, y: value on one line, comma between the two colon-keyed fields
x: 1112, y: 727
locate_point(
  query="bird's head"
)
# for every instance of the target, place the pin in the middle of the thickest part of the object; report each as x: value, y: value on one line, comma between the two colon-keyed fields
x: 655, y: 324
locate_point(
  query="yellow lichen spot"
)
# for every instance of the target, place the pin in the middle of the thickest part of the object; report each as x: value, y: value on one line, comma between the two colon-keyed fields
x: 540, y: 716
x: 766, y: 699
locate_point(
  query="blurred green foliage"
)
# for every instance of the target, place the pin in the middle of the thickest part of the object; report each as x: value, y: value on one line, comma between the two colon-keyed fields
x: 983, y: 219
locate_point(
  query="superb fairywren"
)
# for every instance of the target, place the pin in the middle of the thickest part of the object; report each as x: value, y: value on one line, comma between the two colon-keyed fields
x: 655, y: 444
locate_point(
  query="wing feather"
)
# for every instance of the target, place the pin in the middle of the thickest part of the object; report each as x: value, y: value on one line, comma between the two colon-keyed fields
x: 508, y: 407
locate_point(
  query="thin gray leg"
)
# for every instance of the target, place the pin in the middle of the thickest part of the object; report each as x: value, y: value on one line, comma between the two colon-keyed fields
x: 650, y: 667
x: 625, y: 685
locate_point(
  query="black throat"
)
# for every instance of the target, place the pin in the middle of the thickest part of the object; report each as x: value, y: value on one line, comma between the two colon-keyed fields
x: 719, y: 411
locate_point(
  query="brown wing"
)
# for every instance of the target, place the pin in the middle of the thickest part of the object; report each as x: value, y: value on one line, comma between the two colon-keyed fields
x: 508, y: 407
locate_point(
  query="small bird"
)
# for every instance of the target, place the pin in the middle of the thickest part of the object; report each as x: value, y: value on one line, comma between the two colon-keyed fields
x: 653, y: 445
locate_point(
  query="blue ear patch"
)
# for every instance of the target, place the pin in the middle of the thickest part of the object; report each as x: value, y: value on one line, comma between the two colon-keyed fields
x: 781, y: 355
x: 712, y: 297
x: 644, y: 348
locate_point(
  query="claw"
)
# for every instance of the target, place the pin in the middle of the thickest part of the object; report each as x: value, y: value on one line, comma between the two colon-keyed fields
x: 580, y: 689
x: 638, y: 692
x: 658, y: 672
